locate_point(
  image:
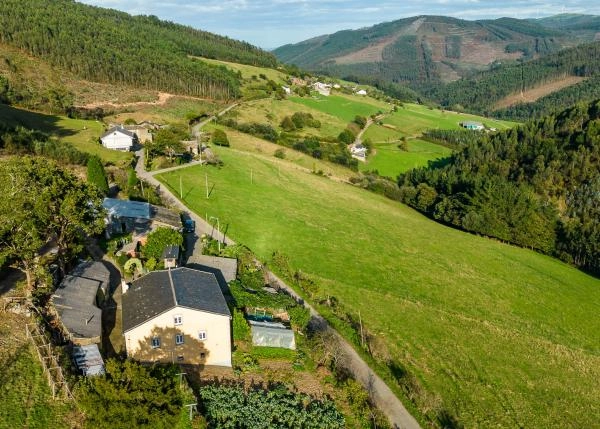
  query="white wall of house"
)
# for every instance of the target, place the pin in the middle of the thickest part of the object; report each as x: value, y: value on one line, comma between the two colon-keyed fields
x: 118, y: 141
x: 216, y: 347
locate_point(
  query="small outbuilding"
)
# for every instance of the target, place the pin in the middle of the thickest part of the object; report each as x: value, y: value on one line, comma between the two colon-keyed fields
x: 76, y: 302
x: 88, y: 360
x: 470, y: 125
x: 272, y: 334
x: 170, y: 256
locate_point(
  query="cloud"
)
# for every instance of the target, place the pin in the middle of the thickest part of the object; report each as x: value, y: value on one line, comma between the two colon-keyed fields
x: 272, y: 23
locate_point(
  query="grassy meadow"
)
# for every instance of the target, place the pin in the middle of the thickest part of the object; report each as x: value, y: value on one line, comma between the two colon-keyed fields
x: 344, y: 107
x: 390, y: 161
x: 82, y: 134
x: 496, y: 335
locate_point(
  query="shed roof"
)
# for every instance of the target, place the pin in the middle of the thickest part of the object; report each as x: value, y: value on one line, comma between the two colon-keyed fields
x: 88, y: 359
x: 226, y: 266
x: 75, y: 299
x: 265, y: 334
x: 160, y: 291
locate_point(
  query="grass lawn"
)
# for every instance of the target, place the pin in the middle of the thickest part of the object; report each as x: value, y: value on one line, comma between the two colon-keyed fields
x: 502, y: 336
x: 391, y: 161
x: 344, y: 107
x: 80, y: 133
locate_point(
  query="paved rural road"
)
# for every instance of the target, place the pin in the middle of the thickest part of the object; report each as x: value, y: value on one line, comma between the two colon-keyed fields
x: 381, y: 394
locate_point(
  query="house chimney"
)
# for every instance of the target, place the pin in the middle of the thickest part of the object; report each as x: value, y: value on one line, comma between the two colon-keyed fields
x: 124, y: 286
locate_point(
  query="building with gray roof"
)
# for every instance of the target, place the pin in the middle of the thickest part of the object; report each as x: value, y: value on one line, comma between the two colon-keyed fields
x: 75, y: 301
x: 177, y: 315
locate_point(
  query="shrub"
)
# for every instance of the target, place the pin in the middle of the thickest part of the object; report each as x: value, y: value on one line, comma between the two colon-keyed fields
x: 96, y: 174
x: 287, y: 124
x: 346, y: 136
x: 219, y: 138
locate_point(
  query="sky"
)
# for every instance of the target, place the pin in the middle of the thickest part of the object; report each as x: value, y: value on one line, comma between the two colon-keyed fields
x: 272, y: 23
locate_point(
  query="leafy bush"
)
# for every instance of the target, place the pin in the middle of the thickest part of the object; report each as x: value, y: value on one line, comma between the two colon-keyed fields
x: 219, y: 138
x: 279, y: 153
x: 158, y: 240
x: 131, y: 395
x: 241, y: 330
x: 232, y: 407
x: 96, y: 174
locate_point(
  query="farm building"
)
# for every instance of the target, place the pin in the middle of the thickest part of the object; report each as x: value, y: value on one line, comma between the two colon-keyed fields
x: 75, y: 301
x: 118, y: 138
x: 358, y: 151
x: 470, y: 125
x: 286, y: 89
x: 124, y: 216
x: 361, y: 92
x: 322, y: 88
x: 142, y: 133
x: 177, y: 315
x: 88, y: 360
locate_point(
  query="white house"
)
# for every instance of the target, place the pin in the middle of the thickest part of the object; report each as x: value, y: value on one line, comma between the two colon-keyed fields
x: 118, y: 138
x: 287, y: 90
x: 322, y: 88
x: 470, y: 125
x: 361, y: 92
x: 358, y: 151
x: 177, y: 315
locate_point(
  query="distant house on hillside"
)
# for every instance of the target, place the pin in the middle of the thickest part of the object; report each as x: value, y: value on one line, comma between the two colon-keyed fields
x: 298, y: 82
x: 361, y: 92
x: 286, y: 89
x: 358, y: 151
x: 118, y: 138
x: 470, y: 125
x: 322, y: 88
x: 177, y: 315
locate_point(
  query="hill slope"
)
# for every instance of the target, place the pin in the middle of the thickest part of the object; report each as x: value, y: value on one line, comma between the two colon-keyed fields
x: 477, y: 333
x: 536, y: 185
x: 424, y: 48
x: 481, y: 92
x: 104, y: 45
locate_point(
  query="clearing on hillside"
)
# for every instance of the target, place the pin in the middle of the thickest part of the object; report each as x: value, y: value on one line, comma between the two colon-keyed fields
x: 531, y: 95
x: 480, y: 333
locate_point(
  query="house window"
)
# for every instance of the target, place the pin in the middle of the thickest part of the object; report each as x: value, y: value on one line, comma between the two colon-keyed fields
x: 178, y: 320
x: 202, y: 335
x: 179, y: 339
x: 155, y: 342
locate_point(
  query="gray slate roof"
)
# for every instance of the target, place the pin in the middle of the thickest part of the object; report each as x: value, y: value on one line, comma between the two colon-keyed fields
x: 120, y: 130
x: 75, y: 299
x: 224, y: 268
x: 160, y: 291
x: 171, y: 252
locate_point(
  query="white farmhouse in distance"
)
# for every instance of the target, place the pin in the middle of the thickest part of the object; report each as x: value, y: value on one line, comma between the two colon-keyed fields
x: 287, y: 90
x: 118, y: 138
x: 361, y: 92
x: 322, y: 88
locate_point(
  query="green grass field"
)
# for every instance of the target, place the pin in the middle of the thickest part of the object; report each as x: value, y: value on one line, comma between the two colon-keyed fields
x: 341, y: 106
x: 503, y: 336
x: 80, y: 133
x: 390, y: 161
x: 413, y: 119
x: 248, y: 71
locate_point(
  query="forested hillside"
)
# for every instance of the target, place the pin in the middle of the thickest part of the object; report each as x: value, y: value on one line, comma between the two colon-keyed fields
x: 537, y: 186
x: 481, y: 92
x: 584, y: 26
x: 104, y: 45
x: 424, y: 49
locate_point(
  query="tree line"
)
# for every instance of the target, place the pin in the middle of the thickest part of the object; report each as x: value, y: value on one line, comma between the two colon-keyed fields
x: 105, y: 45
x: 536, y: 186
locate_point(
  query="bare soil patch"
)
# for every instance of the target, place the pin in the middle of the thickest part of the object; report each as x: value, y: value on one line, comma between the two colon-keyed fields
x: 534, y: 94
x: 161, y: 100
